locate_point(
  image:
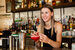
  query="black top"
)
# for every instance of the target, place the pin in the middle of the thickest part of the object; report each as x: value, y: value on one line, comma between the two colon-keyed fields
x: 47, y: 32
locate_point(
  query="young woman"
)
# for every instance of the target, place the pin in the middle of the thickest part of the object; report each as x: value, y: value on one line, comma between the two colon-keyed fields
x: 50, y: 31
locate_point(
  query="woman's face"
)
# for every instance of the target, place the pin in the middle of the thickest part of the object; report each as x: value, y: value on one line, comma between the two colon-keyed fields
x: 46, y: 14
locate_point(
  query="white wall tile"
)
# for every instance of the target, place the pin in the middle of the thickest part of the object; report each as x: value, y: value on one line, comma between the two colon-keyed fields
x: 23, y: 14
x: 36, y: 13
x: 57, y: 14
x: 16, y: 16
x: 69, y: 10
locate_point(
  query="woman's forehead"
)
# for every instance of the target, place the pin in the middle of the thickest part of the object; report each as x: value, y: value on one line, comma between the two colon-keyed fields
x: 45, y: 9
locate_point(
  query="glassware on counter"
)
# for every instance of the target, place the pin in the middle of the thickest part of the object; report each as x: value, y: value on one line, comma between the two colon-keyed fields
x: 22, y: 39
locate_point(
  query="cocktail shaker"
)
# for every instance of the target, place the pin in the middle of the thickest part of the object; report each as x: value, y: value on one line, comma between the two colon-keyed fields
x: 22, y: 36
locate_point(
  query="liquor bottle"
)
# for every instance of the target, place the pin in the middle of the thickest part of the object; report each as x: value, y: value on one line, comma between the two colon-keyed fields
x: 50, y: 2
x: 67, y: 27
x: 34, y: 23
x: 22, y: 5
x: 53, y: 2
x: 25, y: 4
x: 57, y: 2
x: 70, y: 22
x: 37, y: 21
x: 67, y: 24
x: 46, y: 1
x: 43, y: 2
x: 64, y: 27
x: 32, y: 3
x: 29, y: 3
x: 69, y: 0
x: 64, y: 24
x: 37, y: 3
x: 40, y: 3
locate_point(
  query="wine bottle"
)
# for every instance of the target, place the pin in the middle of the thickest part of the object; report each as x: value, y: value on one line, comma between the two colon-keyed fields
x: 37, y: 3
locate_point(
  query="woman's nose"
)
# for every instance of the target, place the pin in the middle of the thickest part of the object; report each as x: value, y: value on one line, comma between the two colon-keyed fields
x: 44, y: 14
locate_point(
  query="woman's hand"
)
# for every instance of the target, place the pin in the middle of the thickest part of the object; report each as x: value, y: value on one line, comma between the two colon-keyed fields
x: 43, y: 38
x: 35, y: 34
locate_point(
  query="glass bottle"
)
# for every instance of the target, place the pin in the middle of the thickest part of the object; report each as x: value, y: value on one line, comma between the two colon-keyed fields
x: 57, y: 2
x: 40, y: 3
x: 25, y: 3
x: 29, y: 3
x: 71, y: 23
x: 50, y: 2
x: 22, y: 5
x: 43, y: 2
x: 37, y: 3
x: 53, y: 2
x: 69, y: 0
x: 32, y: 3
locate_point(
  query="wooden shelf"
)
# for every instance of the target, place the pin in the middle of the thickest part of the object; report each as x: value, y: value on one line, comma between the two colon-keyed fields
x: 26, y: 9
x: 61, y: 5
x: 67, y: 36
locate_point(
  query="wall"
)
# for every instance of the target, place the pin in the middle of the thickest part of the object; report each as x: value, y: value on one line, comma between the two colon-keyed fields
x: 5, y: 21
x: 5, y: 18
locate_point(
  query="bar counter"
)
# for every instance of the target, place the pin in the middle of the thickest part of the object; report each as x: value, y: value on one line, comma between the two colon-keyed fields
x: 35, y: 48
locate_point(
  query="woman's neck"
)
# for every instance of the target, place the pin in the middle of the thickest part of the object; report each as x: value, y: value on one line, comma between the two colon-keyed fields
x: 48, y: 23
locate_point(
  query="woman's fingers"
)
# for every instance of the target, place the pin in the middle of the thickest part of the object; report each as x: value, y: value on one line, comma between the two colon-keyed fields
x: 41, y: 37
x: 35, y: 34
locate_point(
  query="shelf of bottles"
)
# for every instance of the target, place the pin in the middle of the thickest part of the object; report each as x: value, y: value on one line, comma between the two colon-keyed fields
x: 25, y: 5
x: 68, y: 26
x: 30, y: 24
x: 26, y: 24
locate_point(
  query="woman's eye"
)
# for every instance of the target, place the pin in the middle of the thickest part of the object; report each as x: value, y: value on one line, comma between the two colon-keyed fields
x: 46, y: 12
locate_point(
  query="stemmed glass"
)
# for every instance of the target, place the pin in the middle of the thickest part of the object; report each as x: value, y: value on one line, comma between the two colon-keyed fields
x: 36, y: 37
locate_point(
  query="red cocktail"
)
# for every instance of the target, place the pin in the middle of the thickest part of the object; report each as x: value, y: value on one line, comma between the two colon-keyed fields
x: 35, y: 38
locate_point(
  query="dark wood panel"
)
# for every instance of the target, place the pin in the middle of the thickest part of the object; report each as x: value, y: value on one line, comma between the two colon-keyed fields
x: 61, y: 5
x: 69, y: 41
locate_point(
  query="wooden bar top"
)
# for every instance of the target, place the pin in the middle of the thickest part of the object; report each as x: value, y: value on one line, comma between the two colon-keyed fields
x: 35, y: 48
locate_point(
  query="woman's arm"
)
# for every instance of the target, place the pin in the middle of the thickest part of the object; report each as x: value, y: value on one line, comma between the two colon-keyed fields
x: 57, y: 43
x: 37, y: 43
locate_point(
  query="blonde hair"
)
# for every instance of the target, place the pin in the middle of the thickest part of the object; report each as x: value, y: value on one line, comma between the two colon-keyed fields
x: 42, y: 23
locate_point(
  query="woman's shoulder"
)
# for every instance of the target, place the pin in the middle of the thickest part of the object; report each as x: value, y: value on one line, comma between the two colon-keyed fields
x: 58, y: 24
